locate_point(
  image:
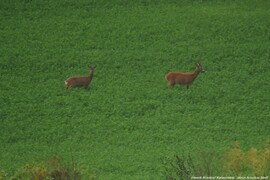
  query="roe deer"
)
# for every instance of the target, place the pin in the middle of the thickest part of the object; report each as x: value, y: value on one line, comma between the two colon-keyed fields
x: 183, y: 78
x: 80, y: 81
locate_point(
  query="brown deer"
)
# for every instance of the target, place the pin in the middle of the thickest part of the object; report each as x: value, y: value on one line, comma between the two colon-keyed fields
x: 80, y: 81
x: 183, y: 78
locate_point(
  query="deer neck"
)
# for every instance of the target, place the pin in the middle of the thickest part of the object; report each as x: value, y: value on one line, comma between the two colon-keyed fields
x: 195, y: 74
x: 91, y: 75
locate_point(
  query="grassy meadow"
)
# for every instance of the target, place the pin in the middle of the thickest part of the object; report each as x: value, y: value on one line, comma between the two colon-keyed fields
x: 127, y: 124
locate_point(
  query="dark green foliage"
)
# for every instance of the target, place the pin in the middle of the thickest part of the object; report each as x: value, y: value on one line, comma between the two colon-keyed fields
x: 233, y: 163
x: 128, y: 120
x: 53, y: 169
x: 206, y: 164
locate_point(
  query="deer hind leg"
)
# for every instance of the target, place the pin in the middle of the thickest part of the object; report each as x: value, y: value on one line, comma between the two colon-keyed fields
x: 86, y: 86
x: 66, y: 85
x: 170, y: 84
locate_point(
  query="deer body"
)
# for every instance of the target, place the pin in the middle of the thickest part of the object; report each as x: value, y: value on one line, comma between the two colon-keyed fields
x: 183, y: 78
x: 80, y: 81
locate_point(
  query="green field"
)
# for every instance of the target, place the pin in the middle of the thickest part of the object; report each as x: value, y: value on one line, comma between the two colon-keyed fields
x: 128, y: 123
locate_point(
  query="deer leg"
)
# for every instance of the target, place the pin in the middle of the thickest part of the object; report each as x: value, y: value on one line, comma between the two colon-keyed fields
x: 170, y: 85
x: 66, y: 83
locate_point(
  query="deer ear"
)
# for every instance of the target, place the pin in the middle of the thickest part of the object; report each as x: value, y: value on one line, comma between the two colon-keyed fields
x: 197, y: 64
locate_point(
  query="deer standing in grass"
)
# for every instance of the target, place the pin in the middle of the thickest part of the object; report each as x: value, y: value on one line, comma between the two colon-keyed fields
x: 183, y: 78
x: 80, y: 81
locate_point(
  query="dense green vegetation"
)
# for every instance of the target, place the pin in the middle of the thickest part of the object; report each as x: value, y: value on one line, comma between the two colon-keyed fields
x: 128, y: 123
